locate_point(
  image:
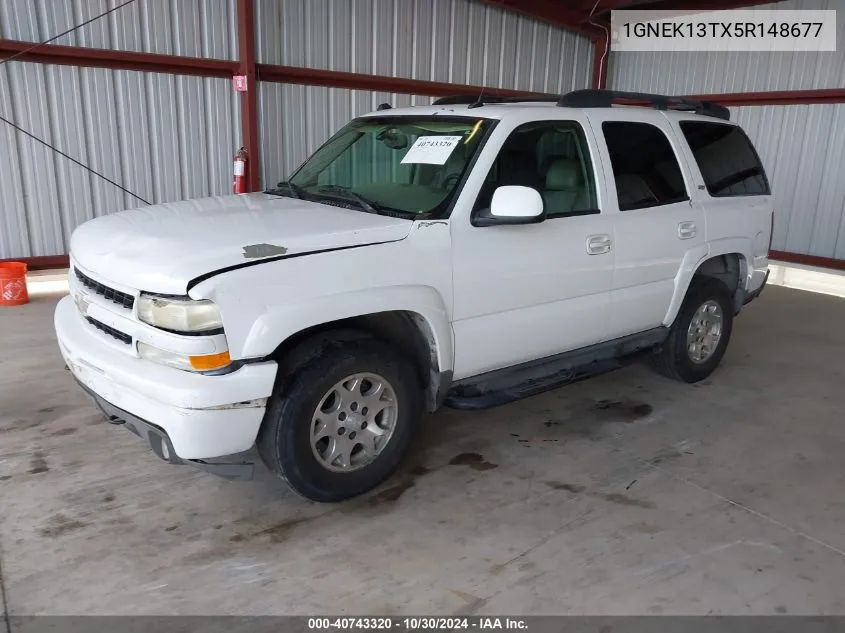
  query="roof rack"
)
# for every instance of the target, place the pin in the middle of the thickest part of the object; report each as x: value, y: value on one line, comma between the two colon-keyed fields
x: 478, y: 101
x: 605, y: 98
x: 598, y: 99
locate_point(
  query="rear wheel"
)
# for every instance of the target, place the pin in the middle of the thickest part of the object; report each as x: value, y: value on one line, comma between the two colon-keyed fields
x: 343, y: 424
x: 700, y: 334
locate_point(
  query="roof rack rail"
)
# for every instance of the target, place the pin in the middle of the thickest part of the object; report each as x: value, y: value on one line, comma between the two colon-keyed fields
x: 605, y: 98
x: 477, y: 101
x: 597, y: 99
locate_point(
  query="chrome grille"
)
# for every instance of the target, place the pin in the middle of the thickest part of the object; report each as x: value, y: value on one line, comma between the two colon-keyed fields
x: 120, y: 298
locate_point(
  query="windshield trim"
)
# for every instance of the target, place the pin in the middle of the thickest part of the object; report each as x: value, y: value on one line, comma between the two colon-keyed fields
x: 444, y: 209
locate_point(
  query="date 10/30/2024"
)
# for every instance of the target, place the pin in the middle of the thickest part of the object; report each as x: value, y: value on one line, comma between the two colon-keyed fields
x: 416, y: 623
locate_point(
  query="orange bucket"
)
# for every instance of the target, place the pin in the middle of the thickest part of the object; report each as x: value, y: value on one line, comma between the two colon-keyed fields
x: 13, y: 284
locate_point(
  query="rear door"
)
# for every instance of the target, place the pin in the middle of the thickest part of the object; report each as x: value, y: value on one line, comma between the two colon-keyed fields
x: 658, y: 223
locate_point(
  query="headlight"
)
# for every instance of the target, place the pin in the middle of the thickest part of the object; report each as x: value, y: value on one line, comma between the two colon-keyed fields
x: 210, y: 362
x: 179, y: 315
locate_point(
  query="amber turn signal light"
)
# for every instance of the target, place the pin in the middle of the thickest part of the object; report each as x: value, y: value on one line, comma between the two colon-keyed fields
x: 210, y: 362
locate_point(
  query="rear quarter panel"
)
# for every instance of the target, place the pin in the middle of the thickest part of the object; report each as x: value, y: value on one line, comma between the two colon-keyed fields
x: 736, y: 224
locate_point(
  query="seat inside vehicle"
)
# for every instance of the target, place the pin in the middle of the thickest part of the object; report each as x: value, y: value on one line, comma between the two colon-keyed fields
x: 564, y: 190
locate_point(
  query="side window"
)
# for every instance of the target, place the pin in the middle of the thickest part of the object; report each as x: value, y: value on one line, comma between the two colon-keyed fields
x: 644, y: 165
x: 727, y: 159
x: 551, y: 157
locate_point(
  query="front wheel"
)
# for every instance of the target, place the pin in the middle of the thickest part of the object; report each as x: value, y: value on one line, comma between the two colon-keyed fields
x: 700, y: 334
x: 343, y: 424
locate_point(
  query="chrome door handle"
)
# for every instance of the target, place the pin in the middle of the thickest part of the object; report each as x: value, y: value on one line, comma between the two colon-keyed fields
x: 598, y: 244
x: 686, y: 230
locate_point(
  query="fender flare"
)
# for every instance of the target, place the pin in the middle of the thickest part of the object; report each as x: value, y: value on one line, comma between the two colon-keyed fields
x: 280, y: 322
x: 695, y: 258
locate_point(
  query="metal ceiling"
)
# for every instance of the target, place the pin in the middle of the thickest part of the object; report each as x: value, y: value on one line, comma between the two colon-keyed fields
x: 592, y: 17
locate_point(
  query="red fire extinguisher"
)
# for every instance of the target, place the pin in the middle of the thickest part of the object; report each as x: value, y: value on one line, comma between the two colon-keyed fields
x: 239, y: 172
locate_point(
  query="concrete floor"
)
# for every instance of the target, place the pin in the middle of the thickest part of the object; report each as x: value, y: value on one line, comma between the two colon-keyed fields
x: 626, y: 494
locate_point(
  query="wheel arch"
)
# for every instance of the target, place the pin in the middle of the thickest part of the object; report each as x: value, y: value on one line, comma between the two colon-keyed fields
x: 730, y: 267
x: 410, y: 332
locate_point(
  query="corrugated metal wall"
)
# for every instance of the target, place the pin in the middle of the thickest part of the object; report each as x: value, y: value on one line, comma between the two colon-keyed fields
x: 802, y: 146
x: 162, y: 137
x: 196, y: 28
x: 166, y: 137
x: 460, y: 41
x: 803, y: 150
x: 705, y: 73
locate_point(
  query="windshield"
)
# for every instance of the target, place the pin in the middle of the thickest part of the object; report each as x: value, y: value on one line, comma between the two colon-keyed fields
x: 394, y: 165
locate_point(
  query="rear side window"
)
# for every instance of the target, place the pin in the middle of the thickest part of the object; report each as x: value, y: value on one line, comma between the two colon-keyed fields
x: 727, y: 159
x: 644, y: 164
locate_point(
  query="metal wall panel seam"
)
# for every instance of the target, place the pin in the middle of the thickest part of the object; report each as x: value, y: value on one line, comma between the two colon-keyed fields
x: 62, y: 183
x: 16, y: 168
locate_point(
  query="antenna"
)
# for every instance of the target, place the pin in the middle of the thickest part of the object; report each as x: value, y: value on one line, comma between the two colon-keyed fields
x: 478, y: 103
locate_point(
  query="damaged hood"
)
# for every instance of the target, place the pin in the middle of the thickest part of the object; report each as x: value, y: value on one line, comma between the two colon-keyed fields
x: 163, y: 247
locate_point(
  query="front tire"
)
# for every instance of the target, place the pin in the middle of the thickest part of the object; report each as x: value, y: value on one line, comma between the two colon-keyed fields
x: 700, y: 334
x: 344, y: 422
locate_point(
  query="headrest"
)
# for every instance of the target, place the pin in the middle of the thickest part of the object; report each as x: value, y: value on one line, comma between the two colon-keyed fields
x: 564, y: 173
x: 547, y: 162
x: 633, y: 187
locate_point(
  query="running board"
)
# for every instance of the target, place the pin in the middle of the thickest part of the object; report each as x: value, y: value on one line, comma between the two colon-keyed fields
x: 507, y: 385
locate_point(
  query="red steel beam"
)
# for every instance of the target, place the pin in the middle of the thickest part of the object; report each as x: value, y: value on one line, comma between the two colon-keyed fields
x: 249, y: 99
x: 47, y: 262
x: 808, y: 260
x: 556, y: 13
x: 375, y: 83
x: 700, y: 5
x: 123, y: 60
x: 778, y: 97
x: 592, y: 11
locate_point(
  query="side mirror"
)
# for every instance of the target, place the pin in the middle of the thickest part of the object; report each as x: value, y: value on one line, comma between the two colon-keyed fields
x: 512, y: 205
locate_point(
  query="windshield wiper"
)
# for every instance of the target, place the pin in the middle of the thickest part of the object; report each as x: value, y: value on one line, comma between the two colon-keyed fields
x: 367, y: 205
x: 294, y: 190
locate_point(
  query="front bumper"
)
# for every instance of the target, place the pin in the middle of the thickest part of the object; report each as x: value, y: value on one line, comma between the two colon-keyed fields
x: 159, y: 442
x: 201, y: 416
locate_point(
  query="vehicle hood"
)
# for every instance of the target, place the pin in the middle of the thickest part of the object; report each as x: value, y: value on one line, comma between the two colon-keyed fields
x: 161, y: 248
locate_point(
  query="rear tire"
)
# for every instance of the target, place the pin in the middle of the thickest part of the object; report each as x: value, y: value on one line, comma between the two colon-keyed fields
x: 700, y: 334
x: 331, y: 438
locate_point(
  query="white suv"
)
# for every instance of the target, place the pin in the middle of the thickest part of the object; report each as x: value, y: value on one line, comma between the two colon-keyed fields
x: 471, y: 253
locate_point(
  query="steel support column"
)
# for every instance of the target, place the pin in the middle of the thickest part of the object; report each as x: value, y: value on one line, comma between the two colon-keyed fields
x: 249, y: 99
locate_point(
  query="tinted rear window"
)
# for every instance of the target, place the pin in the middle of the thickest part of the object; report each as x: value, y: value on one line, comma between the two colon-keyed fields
x: 727, y: 159
x: 644, y: 165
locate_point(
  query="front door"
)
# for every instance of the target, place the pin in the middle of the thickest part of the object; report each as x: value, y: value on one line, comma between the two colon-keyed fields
x: 531, y: 291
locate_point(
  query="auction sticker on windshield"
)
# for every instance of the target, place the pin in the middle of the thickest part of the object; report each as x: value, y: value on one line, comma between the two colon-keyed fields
x: 431, y: 150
